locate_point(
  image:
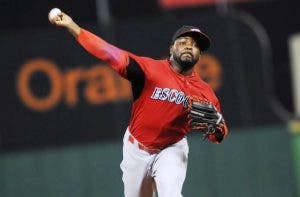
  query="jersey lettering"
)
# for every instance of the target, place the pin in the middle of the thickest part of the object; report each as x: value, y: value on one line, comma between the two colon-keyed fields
x: 156, y: 93
x: 164, y: 94
x: 173, y: 95
x: 170, y: 95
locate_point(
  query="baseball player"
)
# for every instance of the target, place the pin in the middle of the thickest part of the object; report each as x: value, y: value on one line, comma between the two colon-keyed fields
x: 169, y: 100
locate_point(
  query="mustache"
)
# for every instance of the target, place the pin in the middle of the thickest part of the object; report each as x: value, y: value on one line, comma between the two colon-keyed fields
x: 187, y: 52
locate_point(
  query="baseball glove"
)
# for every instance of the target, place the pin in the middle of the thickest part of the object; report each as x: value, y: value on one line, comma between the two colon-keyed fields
x: 203, y: 116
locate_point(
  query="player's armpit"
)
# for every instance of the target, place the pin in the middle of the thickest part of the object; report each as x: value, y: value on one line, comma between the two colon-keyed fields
x: 136, y: 76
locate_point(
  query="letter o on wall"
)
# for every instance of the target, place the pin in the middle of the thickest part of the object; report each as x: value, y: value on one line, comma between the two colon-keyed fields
x: 23, y: 84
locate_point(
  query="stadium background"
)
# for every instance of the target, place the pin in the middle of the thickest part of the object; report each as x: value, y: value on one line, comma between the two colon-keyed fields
x: 64, y: 112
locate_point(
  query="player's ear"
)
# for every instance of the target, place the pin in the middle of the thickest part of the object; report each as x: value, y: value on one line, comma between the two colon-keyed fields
x: 171, y: 49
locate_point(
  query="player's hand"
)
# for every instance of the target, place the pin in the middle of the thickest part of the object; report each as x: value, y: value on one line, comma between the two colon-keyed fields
x: 65, y: 21
x: 61, y: 19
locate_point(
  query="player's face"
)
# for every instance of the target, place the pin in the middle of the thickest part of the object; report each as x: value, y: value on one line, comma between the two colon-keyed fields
x: 185, y: 52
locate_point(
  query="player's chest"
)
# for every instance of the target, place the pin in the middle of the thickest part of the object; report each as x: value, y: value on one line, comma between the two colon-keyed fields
x: 171, y: 87
x: 170, y: 80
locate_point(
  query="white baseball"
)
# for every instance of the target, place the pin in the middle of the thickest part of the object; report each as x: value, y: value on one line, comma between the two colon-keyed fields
x: 54, y: 13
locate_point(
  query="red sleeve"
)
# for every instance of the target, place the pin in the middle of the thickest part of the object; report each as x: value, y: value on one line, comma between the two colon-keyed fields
x: 118, y: 59
x: 224, y: 130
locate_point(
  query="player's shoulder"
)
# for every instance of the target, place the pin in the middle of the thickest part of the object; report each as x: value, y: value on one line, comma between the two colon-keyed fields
x: 148, y: 60
x: 200, y: 81
x: 203, y: 85
x: 144, y: 58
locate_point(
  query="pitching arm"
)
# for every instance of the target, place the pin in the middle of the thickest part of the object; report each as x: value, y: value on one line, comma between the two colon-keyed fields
x: 115, y: 57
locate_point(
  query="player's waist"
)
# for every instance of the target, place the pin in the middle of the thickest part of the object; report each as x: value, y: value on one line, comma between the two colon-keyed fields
x: 140, y: 146
x: 151, y: 147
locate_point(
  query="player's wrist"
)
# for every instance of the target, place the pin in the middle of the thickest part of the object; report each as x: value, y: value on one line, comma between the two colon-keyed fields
x: 74, y: 29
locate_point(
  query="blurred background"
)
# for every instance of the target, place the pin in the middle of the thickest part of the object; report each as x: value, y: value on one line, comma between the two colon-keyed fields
x: 64, y: 112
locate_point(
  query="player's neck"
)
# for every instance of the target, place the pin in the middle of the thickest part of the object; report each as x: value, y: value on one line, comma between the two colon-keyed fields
x: 179, y: 69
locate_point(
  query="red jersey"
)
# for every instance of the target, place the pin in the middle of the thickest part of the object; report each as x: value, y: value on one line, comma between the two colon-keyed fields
x: 159, y: 110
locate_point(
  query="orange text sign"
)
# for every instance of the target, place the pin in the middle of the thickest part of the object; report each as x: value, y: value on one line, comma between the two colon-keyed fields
x: 101, y: 85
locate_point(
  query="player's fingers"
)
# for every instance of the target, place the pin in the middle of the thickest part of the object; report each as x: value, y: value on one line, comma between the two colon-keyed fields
x: 55, y: 19
x: 61, y: 20
x: 64, y: 16
x: 60, y: 23
x: 61, y: 14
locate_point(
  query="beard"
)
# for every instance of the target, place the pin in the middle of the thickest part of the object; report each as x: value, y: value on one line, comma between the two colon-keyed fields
x: 185, y: 62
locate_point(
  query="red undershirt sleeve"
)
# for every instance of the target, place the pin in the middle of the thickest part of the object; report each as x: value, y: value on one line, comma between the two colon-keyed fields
x: 118, y: 59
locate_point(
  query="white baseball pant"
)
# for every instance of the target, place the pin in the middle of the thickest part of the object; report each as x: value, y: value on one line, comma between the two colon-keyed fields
x: 146, y: 174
